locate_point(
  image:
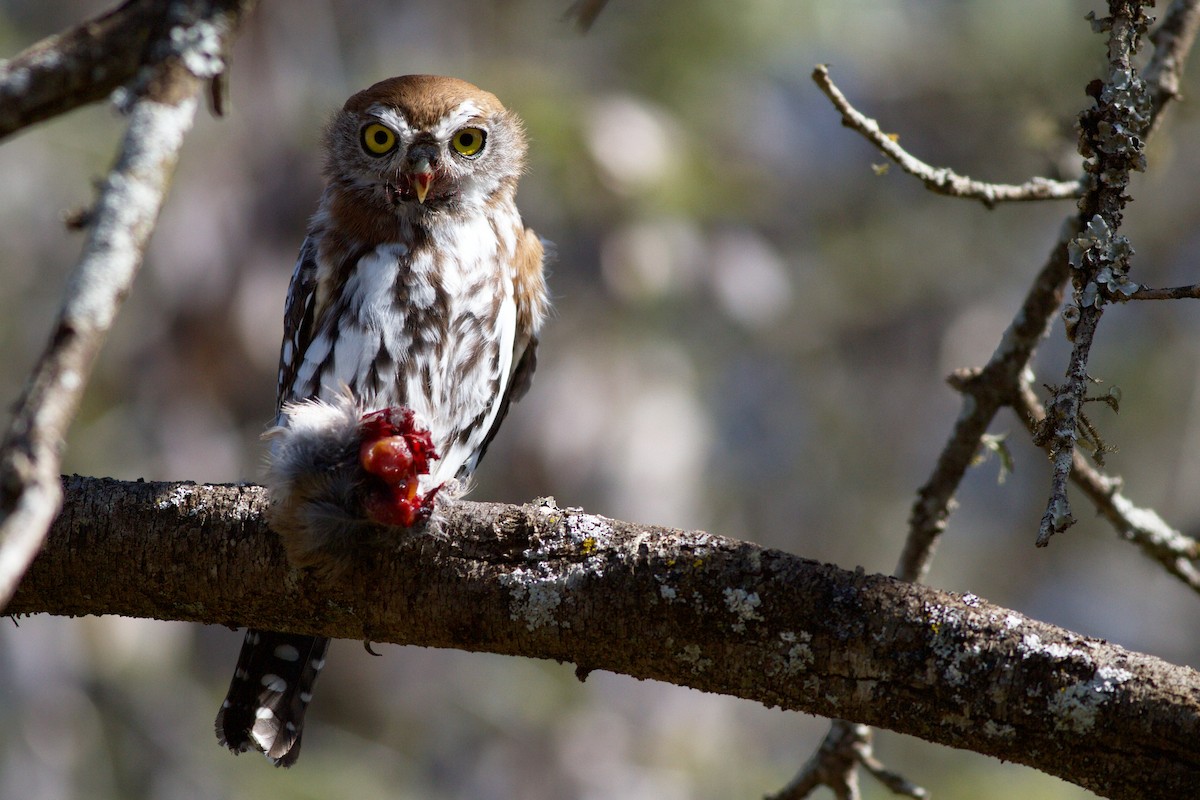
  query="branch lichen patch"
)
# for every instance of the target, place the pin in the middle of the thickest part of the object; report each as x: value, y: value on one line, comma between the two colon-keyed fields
x: 798, y: 656
x: 691, y: 654
x: 536, y: 593
x: 1076, y: 706
x: 743, y: 605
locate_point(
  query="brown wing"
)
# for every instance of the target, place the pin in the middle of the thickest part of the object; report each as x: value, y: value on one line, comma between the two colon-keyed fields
x: 518, y: 385
x: 298, y: 313
x: 530, y: 292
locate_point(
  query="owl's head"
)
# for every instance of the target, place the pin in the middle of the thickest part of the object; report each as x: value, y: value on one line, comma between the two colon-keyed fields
x: 424, y: 143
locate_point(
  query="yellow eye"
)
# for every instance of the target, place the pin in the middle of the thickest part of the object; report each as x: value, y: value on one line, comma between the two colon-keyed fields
x: 378, y: 139
x: 469, y: 142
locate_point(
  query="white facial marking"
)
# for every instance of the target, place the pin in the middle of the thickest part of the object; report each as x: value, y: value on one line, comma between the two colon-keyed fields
x: 393, y: 119
x: 459, y: 116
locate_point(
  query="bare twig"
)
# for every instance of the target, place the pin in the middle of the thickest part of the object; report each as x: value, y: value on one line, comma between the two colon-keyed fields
x: 986, y: 393
x: 941, y: 179
x: 1177, y: 553
x: 192, y: 41
x: 125, y: 213
x: 1172, y: 293
x: 687, y: 607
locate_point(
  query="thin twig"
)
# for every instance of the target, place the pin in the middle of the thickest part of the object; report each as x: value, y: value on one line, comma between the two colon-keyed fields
x: 121, y: 223
x: 834, y: 765
x: 1177, y: 553
x: 941, y: 180
x: 1060, y: 439
x: 124, y: 216
x: 1172, y: 293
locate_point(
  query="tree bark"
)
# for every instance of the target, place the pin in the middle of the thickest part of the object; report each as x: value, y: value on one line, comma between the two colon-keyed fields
x: 685, y: 607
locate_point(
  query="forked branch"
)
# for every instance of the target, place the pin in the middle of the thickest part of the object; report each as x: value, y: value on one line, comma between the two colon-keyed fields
x: 182, y: 53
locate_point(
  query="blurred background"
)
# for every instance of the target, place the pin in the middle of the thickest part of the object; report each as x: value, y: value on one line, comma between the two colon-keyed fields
x: 751, y: 333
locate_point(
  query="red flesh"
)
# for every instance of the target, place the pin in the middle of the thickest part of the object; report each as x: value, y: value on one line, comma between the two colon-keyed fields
x: 395, y: 452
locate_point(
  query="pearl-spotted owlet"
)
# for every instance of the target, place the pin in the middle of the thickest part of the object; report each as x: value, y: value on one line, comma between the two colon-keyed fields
x: 410, y: 325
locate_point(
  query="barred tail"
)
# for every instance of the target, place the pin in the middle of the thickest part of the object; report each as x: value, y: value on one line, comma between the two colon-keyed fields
x: 269, y: 694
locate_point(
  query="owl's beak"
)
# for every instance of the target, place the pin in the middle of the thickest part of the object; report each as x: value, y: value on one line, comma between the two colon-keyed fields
x: 422, y: 178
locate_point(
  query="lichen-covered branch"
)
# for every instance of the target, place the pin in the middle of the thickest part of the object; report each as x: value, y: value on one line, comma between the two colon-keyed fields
x: 1112, y: 139
x: 187, y: 51
x: 686, y: 607
x: 82, y: 65
x: 1177, y: 553
x: 988, y: 389
x: 941, y: 180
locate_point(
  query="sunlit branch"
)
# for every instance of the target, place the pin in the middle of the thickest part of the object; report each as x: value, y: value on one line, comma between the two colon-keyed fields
x: 941, y: 180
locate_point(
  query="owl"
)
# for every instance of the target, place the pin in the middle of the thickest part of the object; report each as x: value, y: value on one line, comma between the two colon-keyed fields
x: 410, y: 325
